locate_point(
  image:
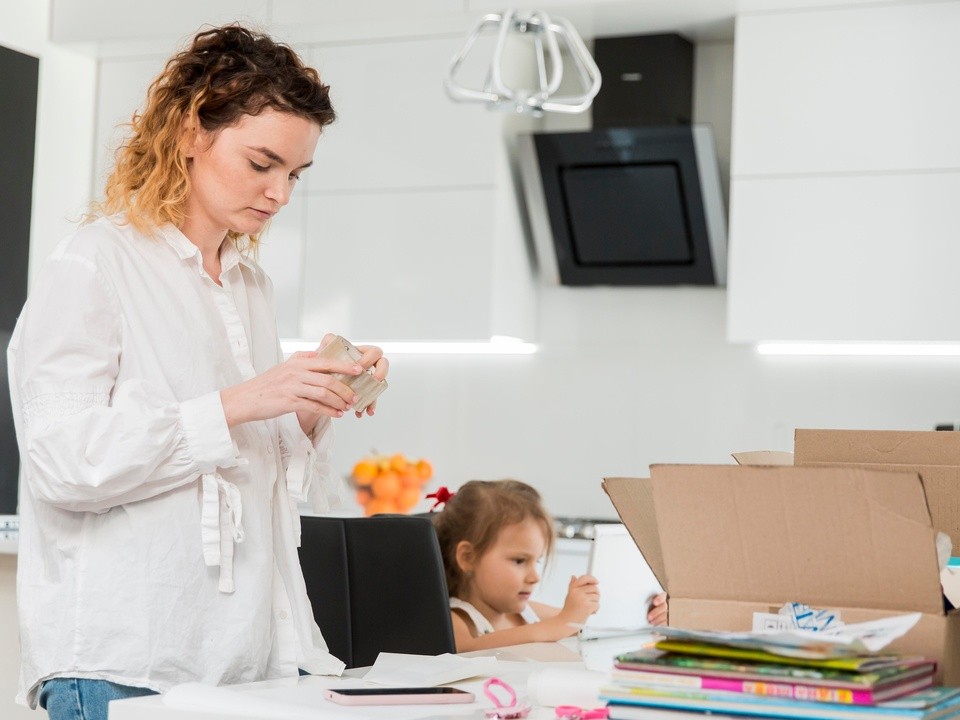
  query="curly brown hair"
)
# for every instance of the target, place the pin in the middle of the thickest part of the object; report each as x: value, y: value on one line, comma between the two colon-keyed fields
x: 477, y: 512
x: 226, y: 73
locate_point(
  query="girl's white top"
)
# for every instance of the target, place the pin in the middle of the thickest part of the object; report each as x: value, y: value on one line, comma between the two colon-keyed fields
x: 481, y: 623
x: 157, y: 546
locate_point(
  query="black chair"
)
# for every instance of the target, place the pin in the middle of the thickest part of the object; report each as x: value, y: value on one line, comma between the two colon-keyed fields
x: 376, y: 585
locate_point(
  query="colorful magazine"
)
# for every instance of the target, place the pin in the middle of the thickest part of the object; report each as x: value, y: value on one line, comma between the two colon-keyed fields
x: 629, y: 679
x: 936, y: 704
x: 654, y: 660
x: 866, y: 663
x: 925, y: 698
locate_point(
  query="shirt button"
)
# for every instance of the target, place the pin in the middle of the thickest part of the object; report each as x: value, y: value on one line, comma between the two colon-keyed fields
x: 283, y: 614
x: 269, y: 449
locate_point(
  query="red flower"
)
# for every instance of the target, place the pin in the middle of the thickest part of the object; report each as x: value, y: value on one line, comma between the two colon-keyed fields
x: 441, y: 496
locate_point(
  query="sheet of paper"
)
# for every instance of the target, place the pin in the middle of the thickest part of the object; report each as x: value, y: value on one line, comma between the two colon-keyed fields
x: 853, y: 639
x: 197, y: 697
x: 403, y: 670
x: 950, y: 581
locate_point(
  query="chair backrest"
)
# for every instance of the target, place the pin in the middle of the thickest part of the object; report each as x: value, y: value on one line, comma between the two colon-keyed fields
x: 376, y: 585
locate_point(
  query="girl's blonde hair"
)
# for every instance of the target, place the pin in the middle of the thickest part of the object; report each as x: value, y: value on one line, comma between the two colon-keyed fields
x: 477, y: 513
x: 226, y: 73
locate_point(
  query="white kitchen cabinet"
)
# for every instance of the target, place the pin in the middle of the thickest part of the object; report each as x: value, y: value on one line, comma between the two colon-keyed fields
x: 850, y: 89
x: 845, y: 258
x: 412, y: 230
x: 104, y: 20
x: 281, y: 256
x: 845, y: 157
x: 398, y: 266
x: 395, y: 127
x: 121, y: 89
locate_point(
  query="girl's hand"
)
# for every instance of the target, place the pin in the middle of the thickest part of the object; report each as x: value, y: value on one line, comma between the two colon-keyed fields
x: 583, y: 600
x: 657, y: 612
x: 302, y: 384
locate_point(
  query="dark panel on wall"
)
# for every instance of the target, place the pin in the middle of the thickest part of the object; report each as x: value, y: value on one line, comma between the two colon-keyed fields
x: 19, y: 76
x: 647, y: 80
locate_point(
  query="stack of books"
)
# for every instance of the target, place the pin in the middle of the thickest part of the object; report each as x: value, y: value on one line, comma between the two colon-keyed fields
x: 679, y: 679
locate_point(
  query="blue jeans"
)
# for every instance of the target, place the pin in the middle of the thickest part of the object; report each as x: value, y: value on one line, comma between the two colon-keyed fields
x: 82, y: 699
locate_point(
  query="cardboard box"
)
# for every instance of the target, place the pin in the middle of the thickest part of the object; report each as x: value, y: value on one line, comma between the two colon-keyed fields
x: 727, y: 541
x: 763, y: 457
x: 935, y: 455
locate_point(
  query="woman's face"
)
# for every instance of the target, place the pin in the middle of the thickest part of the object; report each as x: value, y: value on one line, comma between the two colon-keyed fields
x: 243, y: 174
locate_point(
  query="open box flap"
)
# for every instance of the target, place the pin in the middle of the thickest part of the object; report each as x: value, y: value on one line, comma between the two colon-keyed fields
x: 894, y: 447
x: 763, y: 457
x: 935, y: 455
x: 633, y: 500
x: 827, y: 537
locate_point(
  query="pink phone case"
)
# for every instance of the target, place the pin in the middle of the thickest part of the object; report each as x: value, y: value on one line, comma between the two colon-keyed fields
x: 386, y: 699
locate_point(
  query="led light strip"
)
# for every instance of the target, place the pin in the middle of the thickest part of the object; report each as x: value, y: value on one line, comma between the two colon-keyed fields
x: 861, y: 349
x: 498, y: 346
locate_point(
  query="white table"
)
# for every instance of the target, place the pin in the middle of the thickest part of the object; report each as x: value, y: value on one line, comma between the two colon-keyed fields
x: 302, y: 698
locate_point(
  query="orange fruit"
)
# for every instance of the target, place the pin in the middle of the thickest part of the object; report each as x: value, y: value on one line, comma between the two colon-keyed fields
x: 409, y: 478
x: 378, y: 505
x: 424, y: 470
x: 387, y: 485
x: 408, y: 497
x: 364, y: 472
x: 398, y: 462
x: 363, y: 496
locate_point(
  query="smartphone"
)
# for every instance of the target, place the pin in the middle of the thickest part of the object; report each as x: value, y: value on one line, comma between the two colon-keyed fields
x: 398, y: 696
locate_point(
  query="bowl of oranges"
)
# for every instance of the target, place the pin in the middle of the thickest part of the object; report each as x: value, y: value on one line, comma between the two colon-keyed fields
x: 390, y: 483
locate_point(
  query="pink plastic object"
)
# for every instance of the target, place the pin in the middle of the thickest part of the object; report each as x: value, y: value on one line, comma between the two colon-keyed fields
x: 573, y: 712
x: 502, y: 710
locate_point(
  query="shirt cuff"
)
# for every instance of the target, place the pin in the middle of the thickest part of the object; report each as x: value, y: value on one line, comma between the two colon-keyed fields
x: 322, y: 437
x: 205, y: 428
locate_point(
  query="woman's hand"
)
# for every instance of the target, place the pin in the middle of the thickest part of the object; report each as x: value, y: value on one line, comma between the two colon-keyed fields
x: 302, y: 384
x: 657, y: 612
x: 372, y: 358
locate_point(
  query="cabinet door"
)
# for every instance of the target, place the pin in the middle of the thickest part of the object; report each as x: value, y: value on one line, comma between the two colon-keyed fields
x: 869, y: 258
x: 396, y: 128
x: 412, y: 226
x: 399, y: 266
x: 853, y: 89
x: 845, y: 175
x: 121, y: 90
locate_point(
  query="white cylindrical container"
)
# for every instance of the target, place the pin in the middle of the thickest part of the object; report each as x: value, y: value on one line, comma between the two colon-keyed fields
x: 553, y: 686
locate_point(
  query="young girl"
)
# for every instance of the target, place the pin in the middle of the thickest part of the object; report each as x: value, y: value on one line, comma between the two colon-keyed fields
x: 164, y: 441
x: 493, y: 534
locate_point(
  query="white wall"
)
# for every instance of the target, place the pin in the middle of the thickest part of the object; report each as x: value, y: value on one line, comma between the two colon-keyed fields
x: 10, y: 643
x: 62, y: 175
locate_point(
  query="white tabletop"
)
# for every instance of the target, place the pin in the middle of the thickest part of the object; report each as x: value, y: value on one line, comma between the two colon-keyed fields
x: 302, y: 698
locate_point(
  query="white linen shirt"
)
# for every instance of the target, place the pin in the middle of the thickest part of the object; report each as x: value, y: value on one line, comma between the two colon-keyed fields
x: 157, y: 546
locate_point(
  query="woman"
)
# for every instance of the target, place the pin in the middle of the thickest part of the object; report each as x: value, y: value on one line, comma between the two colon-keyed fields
x: 164, y: 445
